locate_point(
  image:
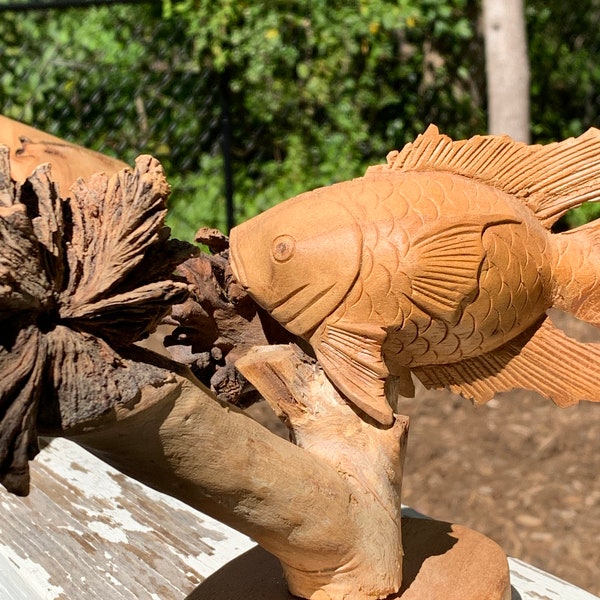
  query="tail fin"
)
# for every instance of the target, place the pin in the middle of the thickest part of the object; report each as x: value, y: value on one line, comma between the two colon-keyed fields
x: 577, y: 272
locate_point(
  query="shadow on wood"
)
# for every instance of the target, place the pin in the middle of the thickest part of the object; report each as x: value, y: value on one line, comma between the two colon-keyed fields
x: 442, y: 561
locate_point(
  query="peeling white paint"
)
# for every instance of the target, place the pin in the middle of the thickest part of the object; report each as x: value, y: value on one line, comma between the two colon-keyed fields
x: 91, y: 527
x: 12, y: 587
x: 98, y: 535
x: 113, y: 579
x: 115, y: 515
x: 37, y: 579
x: 535, y: 584
x: 237, y: 544
x: 122, y: 518
x: 96, y: 481
x: 70, y: 528
x: 108, y: 532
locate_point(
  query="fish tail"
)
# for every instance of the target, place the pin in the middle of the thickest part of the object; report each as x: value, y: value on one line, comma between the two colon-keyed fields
x: 577, y: 272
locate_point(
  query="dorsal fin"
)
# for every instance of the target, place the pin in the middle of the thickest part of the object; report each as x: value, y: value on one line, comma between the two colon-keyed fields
x: 549, y: 179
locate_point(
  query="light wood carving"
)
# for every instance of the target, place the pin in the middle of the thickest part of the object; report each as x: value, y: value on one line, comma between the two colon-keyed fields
x: 30, y: 147
x: 440, y: 264
x: 441, y: 562
x: 329, y: 521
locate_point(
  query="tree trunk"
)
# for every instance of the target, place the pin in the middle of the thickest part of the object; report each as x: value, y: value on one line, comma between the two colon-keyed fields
x: 507, y: 68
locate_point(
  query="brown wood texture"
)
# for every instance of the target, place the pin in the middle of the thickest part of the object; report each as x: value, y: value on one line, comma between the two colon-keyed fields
x: 86, y: 275
x: 443, y: 562
x: 369, y: 460
x: 328, y: 507
x: 81, y: 279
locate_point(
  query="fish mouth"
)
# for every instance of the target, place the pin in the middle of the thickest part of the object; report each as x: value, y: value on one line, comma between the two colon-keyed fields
x: 275, y: 305
x: 303, y: 315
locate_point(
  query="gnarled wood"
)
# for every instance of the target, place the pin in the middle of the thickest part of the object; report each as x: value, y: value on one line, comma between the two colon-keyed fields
x: 442, y: 562
x: 219, y: 323
x: 329, y: 509
x: 370, y: 460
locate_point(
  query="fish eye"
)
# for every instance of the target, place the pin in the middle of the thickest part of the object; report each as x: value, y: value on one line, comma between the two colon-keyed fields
x: 283, y: 248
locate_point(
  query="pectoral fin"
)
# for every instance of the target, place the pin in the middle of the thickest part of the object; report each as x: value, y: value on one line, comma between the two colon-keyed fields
x: 444, y: 265
x: 351, y: 356
x: 542, y: 359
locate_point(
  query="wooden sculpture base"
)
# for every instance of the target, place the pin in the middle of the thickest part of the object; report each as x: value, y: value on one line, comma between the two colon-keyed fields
x: 442, y: 561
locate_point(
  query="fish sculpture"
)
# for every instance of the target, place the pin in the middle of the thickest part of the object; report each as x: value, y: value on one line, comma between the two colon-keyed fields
x: 442, y: 264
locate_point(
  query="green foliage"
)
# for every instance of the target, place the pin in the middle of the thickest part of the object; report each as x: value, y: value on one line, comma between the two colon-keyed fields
x: 197, y: 198
x: 318, y: 90
x: 55, y: 62
x: 565, y: 72
x: 117, y: 79
x: 564, y: 45
x: 322, y: 89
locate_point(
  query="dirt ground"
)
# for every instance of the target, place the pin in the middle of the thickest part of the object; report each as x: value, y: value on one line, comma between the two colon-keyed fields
x: 520, y: 470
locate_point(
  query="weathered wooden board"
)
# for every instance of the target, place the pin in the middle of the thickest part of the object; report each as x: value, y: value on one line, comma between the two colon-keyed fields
x: 530, y: 583
x: 87, y: 531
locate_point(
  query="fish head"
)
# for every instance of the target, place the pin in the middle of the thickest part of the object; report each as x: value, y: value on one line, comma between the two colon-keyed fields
x: 299, y: 259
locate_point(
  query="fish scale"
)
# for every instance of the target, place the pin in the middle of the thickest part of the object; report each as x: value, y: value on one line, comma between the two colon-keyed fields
x: 503, y: 274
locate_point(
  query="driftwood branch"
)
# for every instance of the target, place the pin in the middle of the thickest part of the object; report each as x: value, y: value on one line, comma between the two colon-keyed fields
x: 369, y: 461
x: 328, y: 508
x: 84, y: 274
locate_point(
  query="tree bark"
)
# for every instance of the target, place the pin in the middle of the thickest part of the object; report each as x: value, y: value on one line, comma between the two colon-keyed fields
x: 507, y: 68
x: 328, y: 507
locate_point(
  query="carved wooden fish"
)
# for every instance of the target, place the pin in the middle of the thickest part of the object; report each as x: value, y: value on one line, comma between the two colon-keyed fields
x: 442, y: 264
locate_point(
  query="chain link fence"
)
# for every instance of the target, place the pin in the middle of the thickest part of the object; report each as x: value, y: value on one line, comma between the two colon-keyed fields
x: 118, y: 77
x: 130, y: 86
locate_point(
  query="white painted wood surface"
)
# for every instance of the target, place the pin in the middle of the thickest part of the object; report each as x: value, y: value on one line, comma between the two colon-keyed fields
x: 87, y: 531
x: 534, y: 584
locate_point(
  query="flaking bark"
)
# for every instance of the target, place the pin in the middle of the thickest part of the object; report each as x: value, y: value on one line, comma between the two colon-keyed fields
x: 219, y: 323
